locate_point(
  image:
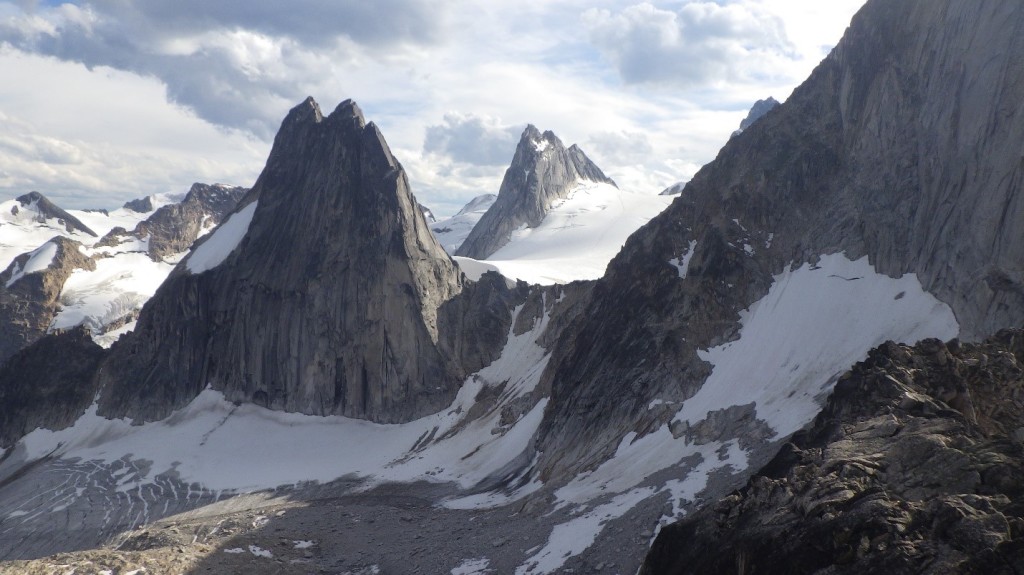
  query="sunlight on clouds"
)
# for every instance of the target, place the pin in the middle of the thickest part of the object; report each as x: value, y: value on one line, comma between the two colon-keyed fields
x: 648, y: 89
x: 98, y: 138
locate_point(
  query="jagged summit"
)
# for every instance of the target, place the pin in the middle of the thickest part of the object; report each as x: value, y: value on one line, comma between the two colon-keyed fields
x: 49, y: 210
x: 757, y: 111
x: 319, y: 293
x: 172, y: 228
x: 543, y: 170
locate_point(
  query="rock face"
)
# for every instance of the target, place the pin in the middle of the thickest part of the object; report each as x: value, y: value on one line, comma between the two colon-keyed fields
x: 49, y: 210
x: 875, y: 154
x: 48, y: 385
x: 542, y: 172
x: 327, y: 302
x: 759, y: 109
x: 141, y: 205
x: 173, y: 228
x: 30, y: 297
x: 916, y: 465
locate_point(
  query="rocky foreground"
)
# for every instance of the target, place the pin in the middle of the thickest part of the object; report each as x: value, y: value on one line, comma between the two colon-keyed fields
x: 916, y: 465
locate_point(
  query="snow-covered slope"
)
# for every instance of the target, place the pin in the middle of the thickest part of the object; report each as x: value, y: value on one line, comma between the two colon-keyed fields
x: 24, y: 228
x: 788, y: 336
x: 576, y: 239
x: 126, y: 275
x: 451, y: 232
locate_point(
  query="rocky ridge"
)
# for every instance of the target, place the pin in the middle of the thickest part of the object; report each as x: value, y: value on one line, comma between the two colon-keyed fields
x: 49, y: 210
x: 30, y: 298
x: 173, y: 228
x: 275, y: 323
x: 32, y: 378
x: 927, y: 186
x: 914, y: 466
x: 543, y: 171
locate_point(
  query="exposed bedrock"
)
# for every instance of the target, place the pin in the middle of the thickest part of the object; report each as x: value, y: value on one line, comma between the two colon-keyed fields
x: 903, y: 145
x: 331, y: 302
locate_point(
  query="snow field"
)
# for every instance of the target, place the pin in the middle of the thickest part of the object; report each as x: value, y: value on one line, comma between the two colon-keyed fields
x: 215, y: 440
x: 814, y: 323
x: 451, y: 232
x: 39, y: 259
x: 118, y: 286
x: 578, y: 237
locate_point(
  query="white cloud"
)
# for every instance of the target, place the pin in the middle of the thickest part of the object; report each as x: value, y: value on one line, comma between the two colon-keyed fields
x: 96, y: 138
x: 699, y: 43
x: 621, y: 147
x: 473, y: 139
x: 172, y: 86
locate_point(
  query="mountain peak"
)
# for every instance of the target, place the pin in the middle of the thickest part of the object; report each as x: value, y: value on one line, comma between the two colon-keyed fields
x: 329, y: 222
x: 49, y: 210
x: 542, y: 171
x: 307, y: 111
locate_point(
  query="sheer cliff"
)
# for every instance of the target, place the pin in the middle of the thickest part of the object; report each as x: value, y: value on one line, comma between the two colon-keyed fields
x: 902, y: 146
x: 319, y: 294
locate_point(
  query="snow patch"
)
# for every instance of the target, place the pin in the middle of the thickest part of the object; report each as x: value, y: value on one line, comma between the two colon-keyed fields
x: 815, y: 322
x: 222, y: 242
x: 573, y: 537
x: 453, y: 231
x: 682, y: 263
x: 260, y: 552
x: 473, y: 567
x: 39, y: 259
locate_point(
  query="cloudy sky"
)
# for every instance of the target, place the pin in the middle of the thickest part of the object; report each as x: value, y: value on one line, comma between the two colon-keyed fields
x: 109, y: 100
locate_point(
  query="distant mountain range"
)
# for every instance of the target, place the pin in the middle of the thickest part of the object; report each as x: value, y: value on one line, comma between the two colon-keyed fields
x: 712, y: 377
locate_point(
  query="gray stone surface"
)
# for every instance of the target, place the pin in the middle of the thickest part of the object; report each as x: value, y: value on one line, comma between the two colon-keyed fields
x: 757, y: 111
x: 543, y: 171
x: 329, y: 305
x: 48, y: 385
x: 911, y: 468
x: 29, y: 304
x: 173, y: 228
x: 904, y: 145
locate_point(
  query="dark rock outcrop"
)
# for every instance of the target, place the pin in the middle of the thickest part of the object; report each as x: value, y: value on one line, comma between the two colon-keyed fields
x: 903, y: 145
x: 916, y: 465
x: 140, y: 205
x: 49, y: 384
x: 48, y: 210
x: 543, y: 170
x: 29, y: 303
x: 173, y: 228
x: 328, y: 305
